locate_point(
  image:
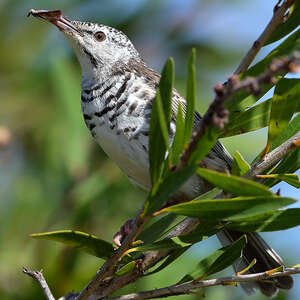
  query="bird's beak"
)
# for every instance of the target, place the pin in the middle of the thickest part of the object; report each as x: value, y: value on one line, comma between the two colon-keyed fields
x: 55, y: 17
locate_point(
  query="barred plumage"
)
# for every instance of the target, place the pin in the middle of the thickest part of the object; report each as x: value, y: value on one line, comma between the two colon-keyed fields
x: 117, y: 93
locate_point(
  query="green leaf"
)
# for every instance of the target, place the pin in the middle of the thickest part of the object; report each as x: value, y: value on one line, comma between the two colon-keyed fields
x: 178, y: 143
x: 291, y: 23
x: 229, y: 209
x: 158, y: 140
x: 270, y: 221
x: 291, y: 179
x: 190, y: 97
x: 166, y: 244
x: 240, y: 166
x: 172, y: 182
x: 155, y: 230
x: 165, y: 87
x: 252, y: 119
x: 79, y: 240
x: 204, y: 145
x: 170, y: 259
x: 128, y: 268
x: 244, y: 99
x: 285, y: 102
x: 234, y: 184
x: 217, y: 261
x: 290, y: 164
x: 209, y: 195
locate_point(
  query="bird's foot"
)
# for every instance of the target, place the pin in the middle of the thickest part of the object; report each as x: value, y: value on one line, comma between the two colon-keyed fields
x: 125, y: 229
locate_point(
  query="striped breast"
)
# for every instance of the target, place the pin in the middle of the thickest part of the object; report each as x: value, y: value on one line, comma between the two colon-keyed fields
x: 117, y: 112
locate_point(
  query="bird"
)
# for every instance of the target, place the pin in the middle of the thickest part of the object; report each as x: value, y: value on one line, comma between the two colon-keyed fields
x: 117, y: 92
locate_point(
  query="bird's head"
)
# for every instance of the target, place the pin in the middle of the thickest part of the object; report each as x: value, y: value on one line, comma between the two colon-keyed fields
x: 98, y: 47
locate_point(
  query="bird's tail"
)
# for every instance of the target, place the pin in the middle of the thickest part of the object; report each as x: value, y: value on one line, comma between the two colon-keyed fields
x: 266, y: 259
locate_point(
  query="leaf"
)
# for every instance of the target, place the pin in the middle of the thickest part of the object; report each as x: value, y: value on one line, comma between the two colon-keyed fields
x: 204, y: 145
x: 285, y: 102
x: 157, y: 140
x: 178, y: 143
x: 155, y: 230
x: 79, y: 240
x: 291, y: 179
x: 166, y: 244
x: 252, y: 119
x: 290, y: 164
x: 291, y: 23
x: 234, y: 184
x: 229, y: 209
x: 240, y: 166
x: 165, y: 88
x: 172, y: 182
x: 190, y: 97
x: 270, y: 221
x: 128, y: 268
x: 170, y: 259
x: 209, y: 195
x: 217, y: 261
x: 244, y: 99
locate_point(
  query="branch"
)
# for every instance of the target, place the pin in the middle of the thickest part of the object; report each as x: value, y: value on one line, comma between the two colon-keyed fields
x: 108, y: 268
x: 39, y: 277
x: 188, y: 288
x: 217, y: 115
x: 278, y: 17
x: 274, y: 156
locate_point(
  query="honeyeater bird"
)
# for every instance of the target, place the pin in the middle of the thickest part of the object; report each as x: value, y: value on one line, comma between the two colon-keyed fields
x: 116, y: 99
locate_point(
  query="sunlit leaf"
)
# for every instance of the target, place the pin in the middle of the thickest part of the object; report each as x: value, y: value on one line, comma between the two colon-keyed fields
x: 190, y: 96
x: 234, y: 184
x: 80, y: 241
x: 285, y: 102
x: 291, y: 179
x: 269, y: 221
x: 128, y: 268
x: 229, y: 209
x: 217, y: 261
x: 178, y: 143
x: 239, y: 167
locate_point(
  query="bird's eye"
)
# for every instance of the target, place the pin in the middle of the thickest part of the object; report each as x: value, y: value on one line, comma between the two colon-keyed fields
x: 100, y: 36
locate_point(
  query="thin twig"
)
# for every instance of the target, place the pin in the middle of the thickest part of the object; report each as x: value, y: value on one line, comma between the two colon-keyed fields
x: 187, y: 288
x: 277, y: 18
x: 39, y: 277
x: 108, y: 268
x: 274, y: 156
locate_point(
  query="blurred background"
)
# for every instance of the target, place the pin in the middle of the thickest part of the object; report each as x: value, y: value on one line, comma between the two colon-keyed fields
x: 53, y: 175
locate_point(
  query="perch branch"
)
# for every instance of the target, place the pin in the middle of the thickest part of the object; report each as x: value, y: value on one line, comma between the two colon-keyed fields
x: 188, y: 288
x: 274, y: 156
x: 39, y: 277
x: 277, y: 18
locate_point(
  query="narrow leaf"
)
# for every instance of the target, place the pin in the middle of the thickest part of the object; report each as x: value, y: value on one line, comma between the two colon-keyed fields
x: 252, y: 119
x: 190, y: 96
x: 291, y: 179
x: 79, y: 240
x: 165, y: 88
x: 270, y: 221
x: 240, y: 166
x: 285, y: 102
x: 234, y: 184
x: 128, y: 268
x: 178, y: 143
x: 157, y: 140
x: 217, y: 261
x: 229, y: 209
